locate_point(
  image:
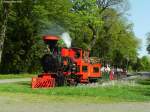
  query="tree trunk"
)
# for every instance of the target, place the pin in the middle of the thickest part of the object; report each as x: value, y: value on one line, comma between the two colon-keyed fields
x: 3, y: 29
x: 94, y: 36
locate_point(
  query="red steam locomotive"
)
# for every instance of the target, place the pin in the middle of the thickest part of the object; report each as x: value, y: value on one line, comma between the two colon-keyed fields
x: 65, y: 66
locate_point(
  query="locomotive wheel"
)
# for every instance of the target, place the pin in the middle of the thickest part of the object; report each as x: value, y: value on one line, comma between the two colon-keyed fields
x: 72, y: 81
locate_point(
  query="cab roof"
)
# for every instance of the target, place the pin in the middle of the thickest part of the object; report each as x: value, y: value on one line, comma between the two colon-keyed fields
x: 50, y: 37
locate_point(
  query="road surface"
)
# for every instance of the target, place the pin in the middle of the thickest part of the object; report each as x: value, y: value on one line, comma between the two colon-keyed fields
x: 36, y: 103
x: 14, y: 80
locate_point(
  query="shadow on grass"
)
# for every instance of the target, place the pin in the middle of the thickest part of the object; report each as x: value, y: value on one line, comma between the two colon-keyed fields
x: 144, y: 81
x: 25, y: 84
x: 146, y: 93
x: 144, y: 89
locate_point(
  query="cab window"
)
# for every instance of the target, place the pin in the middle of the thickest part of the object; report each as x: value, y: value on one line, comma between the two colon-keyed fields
x: 84, y: 69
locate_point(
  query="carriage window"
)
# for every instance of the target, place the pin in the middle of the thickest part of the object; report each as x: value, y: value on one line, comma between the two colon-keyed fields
x: 84, y: 69
x: 77, y: 55
x: 95, y: 69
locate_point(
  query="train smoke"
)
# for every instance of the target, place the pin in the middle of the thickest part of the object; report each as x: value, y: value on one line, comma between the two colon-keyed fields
x: 55, y: 29
x: 67, y: 39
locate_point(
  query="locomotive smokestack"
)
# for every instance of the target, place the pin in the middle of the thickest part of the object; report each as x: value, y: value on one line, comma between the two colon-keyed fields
x: 67, y: 39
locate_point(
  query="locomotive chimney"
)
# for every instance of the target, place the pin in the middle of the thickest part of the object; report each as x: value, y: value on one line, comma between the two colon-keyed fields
x: 51, y: 40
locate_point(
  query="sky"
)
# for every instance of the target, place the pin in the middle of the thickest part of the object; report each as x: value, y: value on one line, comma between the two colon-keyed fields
x: 140, y: 17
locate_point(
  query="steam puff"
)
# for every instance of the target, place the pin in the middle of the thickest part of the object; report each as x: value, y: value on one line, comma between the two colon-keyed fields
x: 67, y: 39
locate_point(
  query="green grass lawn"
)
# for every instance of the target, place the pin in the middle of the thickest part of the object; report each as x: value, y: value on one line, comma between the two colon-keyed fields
x: 11, y: 76
x: 88, y: 94
x: 117, y: 93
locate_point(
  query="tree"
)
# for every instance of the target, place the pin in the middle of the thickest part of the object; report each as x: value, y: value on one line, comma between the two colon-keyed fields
x: 94, y: 16
x: 93, y: 24
x: 114, y: 39
x: 142, y: 64
x: 148, y: 42
x: 26, y: 22
x: 5, y: 7
x: 4, y: 18
x: 145, y: 63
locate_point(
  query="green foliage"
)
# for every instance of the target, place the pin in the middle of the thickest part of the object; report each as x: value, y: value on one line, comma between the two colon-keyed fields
x: 148, y: 42
x: 92, y: 24
x: 142, y: 64
x: 24, y: 46
x: 21, y: 34
x: 145, y: 63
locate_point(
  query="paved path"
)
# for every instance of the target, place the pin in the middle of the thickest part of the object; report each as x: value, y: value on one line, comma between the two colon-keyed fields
x: 14, y: 80
x: 14, y: 104
x: 19, y: 102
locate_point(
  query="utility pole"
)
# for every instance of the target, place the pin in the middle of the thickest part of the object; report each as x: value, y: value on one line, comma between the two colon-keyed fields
x: 5, y: 8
